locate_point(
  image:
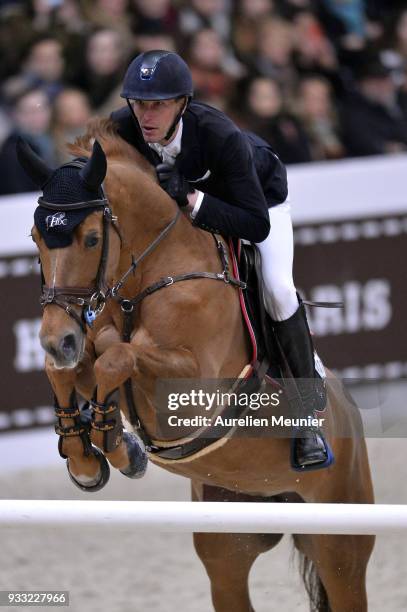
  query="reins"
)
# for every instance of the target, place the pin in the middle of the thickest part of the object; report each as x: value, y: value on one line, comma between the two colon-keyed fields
x: 127, y: 307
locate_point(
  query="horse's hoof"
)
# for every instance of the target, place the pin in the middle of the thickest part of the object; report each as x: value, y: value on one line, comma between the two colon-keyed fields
x: 137, y: 455
x: 101, y: 479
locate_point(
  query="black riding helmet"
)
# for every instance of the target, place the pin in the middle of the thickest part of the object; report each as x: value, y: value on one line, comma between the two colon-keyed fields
x: 158, y: 75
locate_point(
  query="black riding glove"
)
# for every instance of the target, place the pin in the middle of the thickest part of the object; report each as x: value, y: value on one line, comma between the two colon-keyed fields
x: 174, y: 183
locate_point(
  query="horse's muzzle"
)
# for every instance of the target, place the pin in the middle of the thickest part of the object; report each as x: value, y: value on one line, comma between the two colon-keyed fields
x: 64, y: 351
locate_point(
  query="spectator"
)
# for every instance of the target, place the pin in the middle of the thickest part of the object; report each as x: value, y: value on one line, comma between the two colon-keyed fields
x: 110, y: 14
x: 30, y: 114
x: 290, y: 8
x: 43, y: 66
x: 15, y: 36
x: 56, y: 16
x: 42, y: 18
x: 72, y: 29
x: 212, y: 82
x: 373, y: 121
x: 302, y: 57
x: 267, y: 117
x: 319, y: 118
x: 402, y: 95
x: 273, y: 55
x: 70, y: 18
x: 313, y: 51
x: 346, y: 22
x: 205, y: 14
x: 153, y: 37
x: 102, y: 74
x: 255, y: 9
x: 394, y: 57
x: 156, y: 15
x: 70, y: 115
x: 212, y: 15
x: 247, y: 18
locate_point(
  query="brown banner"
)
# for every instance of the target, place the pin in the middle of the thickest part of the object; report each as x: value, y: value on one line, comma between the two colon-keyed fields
x: 360, y: 263
x: 26, y: 397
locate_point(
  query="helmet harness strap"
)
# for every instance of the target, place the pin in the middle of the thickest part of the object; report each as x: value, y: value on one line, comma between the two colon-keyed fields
x: 177, y: 119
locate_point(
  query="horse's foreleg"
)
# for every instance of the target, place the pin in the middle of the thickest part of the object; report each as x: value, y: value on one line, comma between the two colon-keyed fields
x: 117, y: 364
x: 86, y: 465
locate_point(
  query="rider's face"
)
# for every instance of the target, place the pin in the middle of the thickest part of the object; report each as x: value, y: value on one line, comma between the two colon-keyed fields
x: 155, y: 117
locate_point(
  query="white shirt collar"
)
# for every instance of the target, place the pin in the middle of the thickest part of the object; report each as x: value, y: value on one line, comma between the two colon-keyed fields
x: 169, y: 152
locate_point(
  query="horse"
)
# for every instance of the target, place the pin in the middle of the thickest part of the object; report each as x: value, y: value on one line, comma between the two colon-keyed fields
x: 132, y: 240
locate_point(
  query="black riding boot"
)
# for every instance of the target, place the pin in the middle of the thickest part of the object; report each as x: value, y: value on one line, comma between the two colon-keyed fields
x: 295, y: 341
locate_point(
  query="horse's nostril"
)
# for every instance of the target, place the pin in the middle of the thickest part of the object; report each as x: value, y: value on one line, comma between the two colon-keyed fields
x: 52, y: 351
x: 48, y: 346
x: 68, y: 344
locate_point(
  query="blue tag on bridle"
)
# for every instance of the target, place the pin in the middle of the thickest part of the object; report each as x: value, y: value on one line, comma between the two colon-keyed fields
x: 90, y: 316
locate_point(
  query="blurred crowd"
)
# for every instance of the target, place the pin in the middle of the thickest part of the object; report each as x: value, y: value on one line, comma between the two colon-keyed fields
x: 317, y: 79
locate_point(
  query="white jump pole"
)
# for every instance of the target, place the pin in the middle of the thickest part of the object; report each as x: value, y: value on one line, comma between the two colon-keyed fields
x: 247, y: 517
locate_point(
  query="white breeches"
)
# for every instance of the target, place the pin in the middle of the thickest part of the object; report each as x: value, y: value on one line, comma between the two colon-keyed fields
x: 277, y: 252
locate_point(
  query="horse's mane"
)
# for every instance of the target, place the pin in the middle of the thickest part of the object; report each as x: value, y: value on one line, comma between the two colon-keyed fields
x: 115, y: 148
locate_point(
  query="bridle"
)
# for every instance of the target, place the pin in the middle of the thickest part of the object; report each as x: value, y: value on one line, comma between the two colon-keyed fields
x: 90, y: 300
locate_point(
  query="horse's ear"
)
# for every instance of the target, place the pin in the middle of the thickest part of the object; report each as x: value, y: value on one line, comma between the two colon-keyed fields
x: 33, y: 165
x: 94, y: 172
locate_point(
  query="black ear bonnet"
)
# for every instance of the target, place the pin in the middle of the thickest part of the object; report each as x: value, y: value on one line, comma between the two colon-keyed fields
x: 64, y: 188
x: 70, y: 193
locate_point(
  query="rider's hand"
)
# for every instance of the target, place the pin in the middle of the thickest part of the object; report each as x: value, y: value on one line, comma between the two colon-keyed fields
x: 174, y: 183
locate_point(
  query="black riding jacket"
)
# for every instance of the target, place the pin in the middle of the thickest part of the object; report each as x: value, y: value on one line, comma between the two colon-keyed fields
x: 243, y: 176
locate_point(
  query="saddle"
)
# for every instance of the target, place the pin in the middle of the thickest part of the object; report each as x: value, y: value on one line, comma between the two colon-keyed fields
x: 266, y: 359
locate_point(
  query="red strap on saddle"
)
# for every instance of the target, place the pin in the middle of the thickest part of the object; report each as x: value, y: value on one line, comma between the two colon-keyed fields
x: 235, y: 258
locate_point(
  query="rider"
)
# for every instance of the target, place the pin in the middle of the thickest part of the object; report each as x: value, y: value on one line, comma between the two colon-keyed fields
x: 229, y: 182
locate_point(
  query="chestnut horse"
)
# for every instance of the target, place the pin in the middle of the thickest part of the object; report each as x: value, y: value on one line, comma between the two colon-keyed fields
x: 191, y: 329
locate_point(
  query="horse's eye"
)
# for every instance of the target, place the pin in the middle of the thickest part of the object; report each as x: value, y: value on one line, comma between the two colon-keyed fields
x: 91, y: 241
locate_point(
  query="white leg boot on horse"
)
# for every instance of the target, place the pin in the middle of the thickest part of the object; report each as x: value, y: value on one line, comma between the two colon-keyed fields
x: 310, y: 451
